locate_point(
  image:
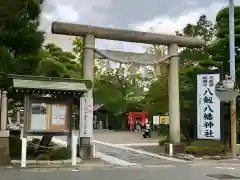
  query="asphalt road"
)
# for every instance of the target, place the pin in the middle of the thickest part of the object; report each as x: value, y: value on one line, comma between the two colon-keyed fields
x: 181, y: 172
x: 147, y: 167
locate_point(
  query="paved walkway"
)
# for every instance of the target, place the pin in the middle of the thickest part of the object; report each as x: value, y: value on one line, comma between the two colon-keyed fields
x: 123, y: 137
x: 113, y: 147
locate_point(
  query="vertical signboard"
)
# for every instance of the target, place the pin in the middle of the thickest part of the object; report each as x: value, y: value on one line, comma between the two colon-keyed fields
x: 208, y: 107
x: 86, y: 116
x: 156, y: 120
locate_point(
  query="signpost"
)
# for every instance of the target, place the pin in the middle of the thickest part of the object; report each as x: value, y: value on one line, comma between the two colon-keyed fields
x: 160, y: 120
x: 232, y: 74
x: 226, y: 90
x: 156, y: 120
x: 164, y: 120
x: 208, y: 107
x: 86, y: 116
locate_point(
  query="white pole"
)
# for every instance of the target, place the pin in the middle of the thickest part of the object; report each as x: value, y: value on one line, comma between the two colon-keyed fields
x: 94, y: 151
x: 21, y: 134
x: 74, y: 150
x: 24, y: 152
x: 170, y: 149
x: 232, y: 39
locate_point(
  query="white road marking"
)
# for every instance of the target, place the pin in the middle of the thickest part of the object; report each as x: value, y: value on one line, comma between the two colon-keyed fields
x: 139, y: 144
x: 159, y: 166
x: 140, y: 151
x: 74, y: 170
x: 114, y: 160
x: 229, y: 168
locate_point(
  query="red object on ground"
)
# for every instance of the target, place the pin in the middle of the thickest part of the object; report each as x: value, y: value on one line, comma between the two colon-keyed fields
x: 132, y: 117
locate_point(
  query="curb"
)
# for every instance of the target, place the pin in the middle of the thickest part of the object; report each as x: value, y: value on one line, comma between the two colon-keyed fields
x: 47, y: 162
x: 174, y: 156
x: 217, y: 163
x: 17, y: 168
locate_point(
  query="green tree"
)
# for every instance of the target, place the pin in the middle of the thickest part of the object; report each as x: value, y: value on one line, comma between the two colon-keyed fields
x: 126, y: 90
x: 193, y: 61
x: 220, y: 47
x: 78, y: 51
x: 57, y: 63
x: 120, y: 94
x: 158, y: 90
x: 20, y: 41
x: 219, y: 51
x: 156, y: 99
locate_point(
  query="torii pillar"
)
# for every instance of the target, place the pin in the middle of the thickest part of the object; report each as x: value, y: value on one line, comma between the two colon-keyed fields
x: 4, y: 133
x: 173, y: 42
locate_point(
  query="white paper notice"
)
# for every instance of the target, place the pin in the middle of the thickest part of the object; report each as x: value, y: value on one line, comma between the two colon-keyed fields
x: 58, y: 114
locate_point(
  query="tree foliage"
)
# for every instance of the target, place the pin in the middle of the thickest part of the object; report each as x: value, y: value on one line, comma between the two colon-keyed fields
x: 57, y: 63
x: 118, y: 92
x: 220, y: 47
x: 20, y: 41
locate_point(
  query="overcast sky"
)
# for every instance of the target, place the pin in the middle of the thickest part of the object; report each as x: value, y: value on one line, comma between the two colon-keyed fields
x: 163, y: 16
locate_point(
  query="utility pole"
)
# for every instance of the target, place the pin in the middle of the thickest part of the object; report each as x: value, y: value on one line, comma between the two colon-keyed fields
x: 232, y: 74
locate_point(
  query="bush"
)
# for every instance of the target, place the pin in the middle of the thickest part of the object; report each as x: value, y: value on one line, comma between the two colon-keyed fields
x: 162, y: 130
x: 57, y: 153
x: 43, y: 157
x: 206, y: 147
x: 15, y: 145
x: 183, y: 140
x: 210, y: 143
x: 162, y: 142
x: 60, y: 153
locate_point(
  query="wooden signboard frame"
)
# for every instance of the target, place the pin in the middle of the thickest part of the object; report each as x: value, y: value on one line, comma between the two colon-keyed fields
x: 50, y: 127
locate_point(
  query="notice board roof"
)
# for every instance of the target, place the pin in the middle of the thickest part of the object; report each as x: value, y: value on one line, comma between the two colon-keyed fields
x: 51, y: 84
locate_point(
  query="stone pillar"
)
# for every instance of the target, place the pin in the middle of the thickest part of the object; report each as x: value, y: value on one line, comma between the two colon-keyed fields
x: 70, y: 126
x: 106, y: 122
x: 173, y: 95
x: 86, y: 148
x: 4, y: 134
x: 4, y: 111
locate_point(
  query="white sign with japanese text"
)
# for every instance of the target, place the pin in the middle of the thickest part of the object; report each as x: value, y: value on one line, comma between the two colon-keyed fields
x: 86, y: 116
x: 156, y: 120
x: 208, y: 107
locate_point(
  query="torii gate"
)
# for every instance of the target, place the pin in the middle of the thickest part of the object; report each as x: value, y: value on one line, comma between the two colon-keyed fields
x: 173, y: 42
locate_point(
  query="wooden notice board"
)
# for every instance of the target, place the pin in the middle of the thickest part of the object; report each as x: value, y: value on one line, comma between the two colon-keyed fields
x: 58, y: 117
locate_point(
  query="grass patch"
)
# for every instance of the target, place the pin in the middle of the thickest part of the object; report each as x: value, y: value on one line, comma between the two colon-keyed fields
x: 206, y: 147
x: 167, y: 140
